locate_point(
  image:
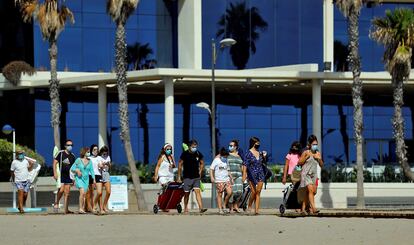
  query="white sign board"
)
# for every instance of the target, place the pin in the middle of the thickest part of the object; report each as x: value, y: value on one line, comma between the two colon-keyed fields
x: 118, y: 201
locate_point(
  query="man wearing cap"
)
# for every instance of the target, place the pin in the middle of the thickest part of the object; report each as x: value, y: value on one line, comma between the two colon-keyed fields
x: 20, y: 168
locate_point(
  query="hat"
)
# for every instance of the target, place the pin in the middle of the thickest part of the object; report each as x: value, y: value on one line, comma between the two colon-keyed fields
x: 166, y: 145
x: 19, y: 151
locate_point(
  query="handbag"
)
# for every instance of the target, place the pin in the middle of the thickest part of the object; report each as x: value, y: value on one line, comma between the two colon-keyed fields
x: 268, y: 173
x: 296, y: 175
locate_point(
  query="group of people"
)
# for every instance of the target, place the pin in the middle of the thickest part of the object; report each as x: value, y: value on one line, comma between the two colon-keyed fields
x: 232, y: 168
x: 88, y: 172
x: 229, y: 171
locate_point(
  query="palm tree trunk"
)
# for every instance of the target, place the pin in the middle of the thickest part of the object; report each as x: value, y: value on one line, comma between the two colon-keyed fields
x: 398, y: 124
x: 355, y: 61
x: 54, y: 92
x: 120, y: 56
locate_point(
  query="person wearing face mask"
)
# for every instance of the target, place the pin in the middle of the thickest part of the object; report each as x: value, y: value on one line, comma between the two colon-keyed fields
x: 89, y: 204
x: 309, y: 160
x: 165, y: 165
x: 220, y: 175
x: 19, y: 169
x: 235, y: 163
x: 253, y: 162
x: 105, y: 183
x: 292, y: 159
x: 193, y: 163
x: 82, y: 169
x: 64, y: 161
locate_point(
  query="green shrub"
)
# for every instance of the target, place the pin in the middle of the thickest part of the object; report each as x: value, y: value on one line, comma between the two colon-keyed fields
x: 6, y: 155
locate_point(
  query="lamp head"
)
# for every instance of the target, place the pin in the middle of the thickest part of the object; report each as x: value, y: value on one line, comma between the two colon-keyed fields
x: 7, y: 129
x: 227, y: 42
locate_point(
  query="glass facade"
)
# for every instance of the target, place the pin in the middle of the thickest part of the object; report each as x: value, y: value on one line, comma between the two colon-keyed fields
x: 294, y: 35
x: 88, y: 45
x: 276, y: 124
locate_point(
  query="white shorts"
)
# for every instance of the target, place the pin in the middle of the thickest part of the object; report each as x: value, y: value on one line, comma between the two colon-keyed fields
x: 165, y: 180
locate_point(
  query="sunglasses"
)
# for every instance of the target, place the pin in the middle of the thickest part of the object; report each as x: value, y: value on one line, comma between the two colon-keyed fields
x: 69, y: 145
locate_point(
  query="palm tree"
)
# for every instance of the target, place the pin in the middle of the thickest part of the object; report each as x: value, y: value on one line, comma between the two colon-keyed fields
x: 137, y: 55
x: 51, y: 16
x: 120, y: 10
x: 241, y: 24
x: 396, y: 32
x: 351, y: 9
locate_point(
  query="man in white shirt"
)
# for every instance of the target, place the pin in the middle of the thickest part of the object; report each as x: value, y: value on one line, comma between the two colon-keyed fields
x: 20, y: 168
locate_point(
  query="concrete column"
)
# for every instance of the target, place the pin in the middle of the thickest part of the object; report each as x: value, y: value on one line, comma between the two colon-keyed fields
x: 189, y: 34
x: 169, y: 110
x: 317, y: 114
x: 102, y: 115
x: 328, y: 33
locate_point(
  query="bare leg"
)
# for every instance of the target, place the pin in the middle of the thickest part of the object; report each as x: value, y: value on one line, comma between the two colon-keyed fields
x: 186, y: 197
x: 229, y: 193
x: 66, y: 196
x: 81, y: 200
x: 219, y: 198
x: 59, y: 195
x: 98, y: 197
x: 107, y: 195
x: 311, y: 197
x: 20, y: 200
x: 198, y: 197
x: 252, y: 195
x: 89, y: 199
x: 24, y: 198
x: 257, y: 201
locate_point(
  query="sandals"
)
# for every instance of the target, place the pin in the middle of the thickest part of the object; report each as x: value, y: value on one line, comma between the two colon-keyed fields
x: 236, y: 210
x: 203, y: 210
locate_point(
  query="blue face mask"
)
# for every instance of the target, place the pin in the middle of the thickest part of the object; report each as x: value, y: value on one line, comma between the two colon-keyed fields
x: 69, y: 148
x: 314, y: 148
x: 231, y: 148
x: 168, y: 152
x: 20, y: 156
x: 193, y: 149
x: 88, y: 154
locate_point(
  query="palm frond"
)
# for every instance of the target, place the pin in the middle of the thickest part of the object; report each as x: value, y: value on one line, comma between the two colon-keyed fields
x: 345, y: 6
x: 120, y: 10
x: 14, y: 70
x: 396, y: 32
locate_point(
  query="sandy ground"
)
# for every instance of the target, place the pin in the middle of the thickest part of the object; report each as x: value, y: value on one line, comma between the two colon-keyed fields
x: 201, y: 229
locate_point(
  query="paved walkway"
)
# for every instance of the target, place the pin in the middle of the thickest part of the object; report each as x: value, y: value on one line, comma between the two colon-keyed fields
x: 201, y: 229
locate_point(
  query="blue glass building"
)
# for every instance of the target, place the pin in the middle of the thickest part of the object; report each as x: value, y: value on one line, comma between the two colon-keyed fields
x: 294, y: 35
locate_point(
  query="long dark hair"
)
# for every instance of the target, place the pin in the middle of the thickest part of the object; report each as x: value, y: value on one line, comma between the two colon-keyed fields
x: 163, y: 153
x: 91, y: 149
x: 295, y: 148
x: 311, y: 139
x: 253, y: 141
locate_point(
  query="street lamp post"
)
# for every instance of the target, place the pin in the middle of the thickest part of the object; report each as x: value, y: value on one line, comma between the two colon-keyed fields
x: 7, y: 129
x: 227, y: 42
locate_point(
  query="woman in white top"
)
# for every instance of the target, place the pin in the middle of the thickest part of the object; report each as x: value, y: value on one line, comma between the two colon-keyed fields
x: 165, y: 165
x: 96, y: 160
x: 104, y: 164
x: 94, y: 150
x: 220, y: 175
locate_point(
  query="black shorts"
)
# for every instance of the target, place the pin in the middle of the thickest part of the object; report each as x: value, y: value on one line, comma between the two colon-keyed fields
x: 65, y: 179
x: 90, y: 180
x: 98, y: 178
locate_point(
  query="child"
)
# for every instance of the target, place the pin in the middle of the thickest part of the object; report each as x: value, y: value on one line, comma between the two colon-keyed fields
x: 221, y: 176
x: 292, y: 159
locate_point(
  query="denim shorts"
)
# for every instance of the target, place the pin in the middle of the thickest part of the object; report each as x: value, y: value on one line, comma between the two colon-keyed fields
x: 23, y: 185
x: 190, y: 184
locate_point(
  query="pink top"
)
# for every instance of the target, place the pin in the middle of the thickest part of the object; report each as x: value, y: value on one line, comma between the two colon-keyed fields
x: 293, y: 161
